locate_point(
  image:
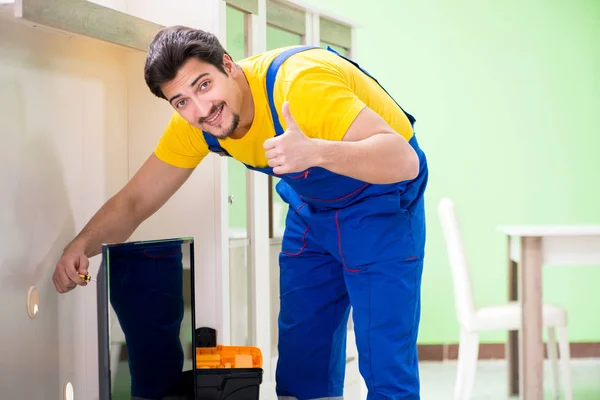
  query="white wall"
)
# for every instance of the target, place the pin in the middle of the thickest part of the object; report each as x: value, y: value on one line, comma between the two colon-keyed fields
x: 63, y: 132
x: 76, y: 121
x: 201, y: 14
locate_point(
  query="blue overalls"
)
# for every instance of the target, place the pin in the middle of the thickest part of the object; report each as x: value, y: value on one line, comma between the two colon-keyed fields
x: 347, y: 243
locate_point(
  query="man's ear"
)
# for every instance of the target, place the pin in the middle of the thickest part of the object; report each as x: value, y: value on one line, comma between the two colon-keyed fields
x: 228, y: 64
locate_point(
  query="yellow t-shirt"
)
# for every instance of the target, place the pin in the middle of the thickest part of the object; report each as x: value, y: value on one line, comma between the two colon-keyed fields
x: 325, y: 93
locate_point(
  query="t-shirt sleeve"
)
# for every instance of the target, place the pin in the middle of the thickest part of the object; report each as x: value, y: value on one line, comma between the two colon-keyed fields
x: 181, y: 145
x: 321, y: 102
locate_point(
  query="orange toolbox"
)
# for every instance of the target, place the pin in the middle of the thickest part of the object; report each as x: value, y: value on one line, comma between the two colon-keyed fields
x: 226, y: 372
x: 228, y: 357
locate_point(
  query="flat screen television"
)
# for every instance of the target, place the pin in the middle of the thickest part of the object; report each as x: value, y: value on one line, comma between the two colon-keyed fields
x: 146, y: 320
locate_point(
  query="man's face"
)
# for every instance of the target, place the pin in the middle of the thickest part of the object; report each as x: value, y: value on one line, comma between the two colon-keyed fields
x: 206, y: 97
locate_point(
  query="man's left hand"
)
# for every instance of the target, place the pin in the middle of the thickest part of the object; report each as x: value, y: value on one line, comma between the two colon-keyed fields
x: 291, y: 151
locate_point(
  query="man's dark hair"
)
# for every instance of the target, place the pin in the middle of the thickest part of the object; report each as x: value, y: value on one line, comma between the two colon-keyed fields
x: 172, y: 47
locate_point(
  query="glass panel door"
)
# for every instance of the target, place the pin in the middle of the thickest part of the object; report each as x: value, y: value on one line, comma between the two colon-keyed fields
x: 276, y: 38
x: 236, y: 46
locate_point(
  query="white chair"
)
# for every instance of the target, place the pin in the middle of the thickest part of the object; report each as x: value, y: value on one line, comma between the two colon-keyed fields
x: 507, y: 316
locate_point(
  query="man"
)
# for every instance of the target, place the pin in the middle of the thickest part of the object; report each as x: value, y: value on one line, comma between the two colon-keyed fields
x: 352, y: 173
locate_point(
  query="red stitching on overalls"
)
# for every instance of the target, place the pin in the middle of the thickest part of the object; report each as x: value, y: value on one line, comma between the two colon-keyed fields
x: 337, y: 224
x: 339, y: 198
x: 303, y: 245
x: 302, y: 175
x: 300, y: 207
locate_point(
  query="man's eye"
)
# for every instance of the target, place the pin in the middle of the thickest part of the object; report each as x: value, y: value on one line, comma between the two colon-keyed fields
x: 181, y: 103
x: 204, y: 85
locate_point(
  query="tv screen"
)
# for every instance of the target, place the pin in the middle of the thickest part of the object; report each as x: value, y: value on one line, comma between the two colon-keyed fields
x: 146, y: 320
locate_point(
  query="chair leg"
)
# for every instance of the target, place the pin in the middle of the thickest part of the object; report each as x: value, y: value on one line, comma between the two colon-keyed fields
x: 468, y: 352
x: 460, y: 366
x: 565, y: 361
x: 553, y: 357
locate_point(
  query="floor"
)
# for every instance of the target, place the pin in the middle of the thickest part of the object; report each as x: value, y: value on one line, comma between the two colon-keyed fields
x: 437, y: 380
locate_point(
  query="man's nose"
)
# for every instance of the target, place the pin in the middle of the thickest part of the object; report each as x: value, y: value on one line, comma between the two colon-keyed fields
x: 204, y: 108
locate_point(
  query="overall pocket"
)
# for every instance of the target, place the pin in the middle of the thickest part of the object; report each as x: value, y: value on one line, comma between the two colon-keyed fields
x: 294, y: 239
x: 373, y: 231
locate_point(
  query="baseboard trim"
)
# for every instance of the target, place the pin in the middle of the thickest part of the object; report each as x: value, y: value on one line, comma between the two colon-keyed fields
x: 496, y: 351
x: 487, y: 351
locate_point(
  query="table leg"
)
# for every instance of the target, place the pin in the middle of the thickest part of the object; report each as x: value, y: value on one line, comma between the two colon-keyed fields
x: 512, y: 345
x: 532, y: 346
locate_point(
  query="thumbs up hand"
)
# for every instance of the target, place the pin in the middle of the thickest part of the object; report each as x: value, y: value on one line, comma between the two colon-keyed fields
x: 291, y: 151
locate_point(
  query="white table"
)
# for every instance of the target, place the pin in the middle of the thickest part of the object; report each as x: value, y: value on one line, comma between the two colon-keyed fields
x: 533, y: 246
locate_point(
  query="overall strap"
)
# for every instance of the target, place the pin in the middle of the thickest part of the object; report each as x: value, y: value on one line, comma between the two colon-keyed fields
x: 410, y: 117
x: 272, y: 74
x: 214, y: 146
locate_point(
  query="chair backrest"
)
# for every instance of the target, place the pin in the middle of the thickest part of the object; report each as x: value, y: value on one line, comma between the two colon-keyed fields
x: 463, y: 293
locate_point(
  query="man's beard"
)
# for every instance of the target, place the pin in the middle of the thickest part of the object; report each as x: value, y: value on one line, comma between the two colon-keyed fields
x: 227, y: 132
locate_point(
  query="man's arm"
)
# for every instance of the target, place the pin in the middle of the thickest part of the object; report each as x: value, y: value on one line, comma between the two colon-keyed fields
x: 370, y: 151
x: 142, y: 196
x: 346, y: 136
x: 117, y: 219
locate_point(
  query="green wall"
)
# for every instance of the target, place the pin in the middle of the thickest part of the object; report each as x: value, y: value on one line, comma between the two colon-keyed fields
x: 507, y: 100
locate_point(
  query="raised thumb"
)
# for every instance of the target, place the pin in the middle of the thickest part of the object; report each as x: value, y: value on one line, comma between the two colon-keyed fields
x: 287, y: 115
